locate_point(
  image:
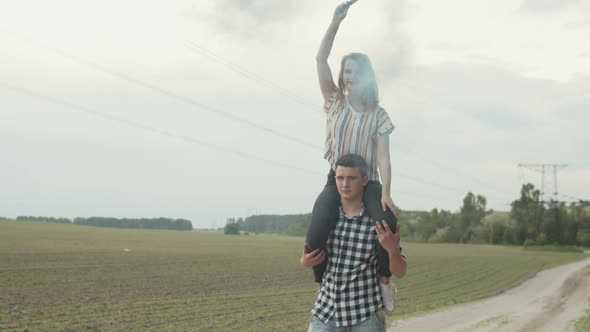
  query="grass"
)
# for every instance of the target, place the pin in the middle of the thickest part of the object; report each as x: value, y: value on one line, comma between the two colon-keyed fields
x: 71, y: 278
x: 555, y: 248
x: 583, y: 324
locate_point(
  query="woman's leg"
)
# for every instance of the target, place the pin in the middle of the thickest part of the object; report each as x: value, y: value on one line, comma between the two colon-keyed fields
x: 372, y: 201
x: 323, y: 219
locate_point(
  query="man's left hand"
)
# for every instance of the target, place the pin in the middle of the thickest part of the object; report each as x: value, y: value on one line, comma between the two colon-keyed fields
x: 311, y: 259
x: 389, y: 241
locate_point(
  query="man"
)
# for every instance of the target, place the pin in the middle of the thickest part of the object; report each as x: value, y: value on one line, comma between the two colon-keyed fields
x: 349, y: 298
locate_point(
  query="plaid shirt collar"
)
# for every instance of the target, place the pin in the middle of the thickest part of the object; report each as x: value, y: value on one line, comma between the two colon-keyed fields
x: 344, y: 216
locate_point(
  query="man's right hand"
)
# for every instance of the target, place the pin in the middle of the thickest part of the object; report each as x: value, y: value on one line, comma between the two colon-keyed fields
x: 313, y: 258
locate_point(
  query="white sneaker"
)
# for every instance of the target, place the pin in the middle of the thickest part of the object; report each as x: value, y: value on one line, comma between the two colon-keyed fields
x: 388, y: 294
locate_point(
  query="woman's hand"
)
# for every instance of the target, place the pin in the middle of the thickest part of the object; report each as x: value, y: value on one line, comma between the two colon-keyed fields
x: 387, y: 202
x: 340, y: 13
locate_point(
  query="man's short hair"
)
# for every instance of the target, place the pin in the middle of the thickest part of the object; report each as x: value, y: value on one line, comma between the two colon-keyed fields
x: 353, y: 160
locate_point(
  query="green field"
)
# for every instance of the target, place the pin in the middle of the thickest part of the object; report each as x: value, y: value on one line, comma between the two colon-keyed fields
x: 71, y: 278
x: 583, y: 324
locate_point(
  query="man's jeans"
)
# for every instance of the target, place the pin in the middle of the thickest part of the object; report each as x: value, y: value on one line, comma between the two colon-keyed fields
x: 375, y: 323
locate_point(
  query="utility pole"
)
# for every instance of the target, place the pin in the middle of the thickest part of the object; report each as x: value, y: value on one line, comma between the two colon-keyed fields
x: 554, y: 203
x: 542, y: 169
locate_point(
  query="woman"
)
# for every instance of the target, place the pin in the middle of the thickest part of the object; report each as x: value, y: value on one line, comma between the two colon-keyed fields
x: 356, y: 124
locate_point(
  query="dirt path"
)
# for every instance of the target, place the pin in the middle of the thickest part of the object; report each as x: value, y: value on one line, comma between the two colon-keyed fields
x: 550, y: 301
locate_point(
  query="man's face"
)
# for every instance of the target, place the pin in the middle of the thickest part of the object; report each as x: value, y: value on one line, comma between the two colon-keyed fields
x: 350, y: 182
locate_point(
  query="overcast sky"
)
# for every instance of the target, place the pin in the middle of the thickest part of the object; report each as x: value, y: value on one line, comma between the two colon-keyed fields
x: 211, y: 109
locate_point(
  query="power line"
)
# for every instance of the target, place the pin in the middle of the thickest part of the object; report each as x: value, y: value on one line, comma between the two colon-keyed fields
x: 450, y: 169
x: 138, y: 125
x: 257, y: 78
x: 574, y: 198
x: 414, y: 91
x: 152, y: 129
x: 542, y: 168
x: 198, y: 104
x: 192, y: 140
x: 251, y: 75
x: 168, y: 93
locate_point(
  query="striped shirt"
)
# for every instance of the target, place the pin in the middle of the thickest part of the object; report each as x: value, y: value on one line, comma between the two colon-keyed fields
x: 349, y: 131
x: 350, y: 291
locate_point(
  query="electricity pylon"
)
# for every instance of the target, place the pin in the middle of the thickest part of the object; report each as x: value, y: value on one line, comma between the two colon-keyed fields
x: 542, y: 169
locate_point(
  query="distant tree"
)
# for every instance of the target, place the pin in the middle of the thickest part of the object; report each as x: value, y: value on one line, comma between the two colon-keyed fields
x: 472, y: 212
x: 512, y: 234
x: 232, y: 229
x: 145, y: 223
x: 494, y: 227
x: 427, y: 225
x: 440, y: 235
x: 580, y: 216
x: 434, y: 226
x: 299, y: 228
x: 183, y: 225
x: 52, y: 220
x: 528, y: 212
x: 557, y: 225
x: 274, y: 224
x: 455, y: 231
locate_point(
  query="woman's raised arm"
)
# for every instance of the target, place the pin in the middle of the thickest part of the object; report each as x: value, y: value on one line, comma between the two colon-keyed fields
x: 327, y: 84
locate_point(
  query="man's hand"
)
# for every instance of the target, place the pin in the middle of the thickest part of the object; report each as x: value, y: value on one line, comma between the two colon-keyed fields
x: 389, y: 241
x: 313, y: 258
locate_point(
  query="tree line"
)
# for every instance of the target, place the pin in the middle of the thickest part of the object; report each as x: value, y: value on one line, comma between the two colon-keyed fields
x: 135, y: 223
x: 530, y: 221
x: 293, y: 224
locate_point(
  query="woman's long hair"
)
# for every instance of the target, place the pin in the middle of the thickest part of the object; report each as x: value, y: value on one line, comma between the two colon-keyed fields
x: 370, y: 93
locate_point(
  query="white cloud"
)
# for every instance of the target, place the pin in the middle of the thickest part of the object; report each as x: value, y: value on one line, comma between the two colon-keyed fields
x: 537, y: 6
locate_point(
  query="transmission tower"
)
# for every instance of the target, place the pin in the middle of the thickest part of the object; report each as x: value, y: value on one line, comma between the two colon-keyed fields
x: 543, y: 168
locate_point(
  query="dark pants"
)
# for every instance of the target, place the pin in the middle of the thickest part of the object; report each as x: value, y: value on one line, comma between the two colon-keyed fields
x: 325, y: 215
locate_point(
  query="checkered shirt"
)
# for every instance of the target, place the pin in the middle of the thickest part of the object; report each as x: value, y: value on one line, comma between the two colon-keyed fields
x: 350, y: 289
